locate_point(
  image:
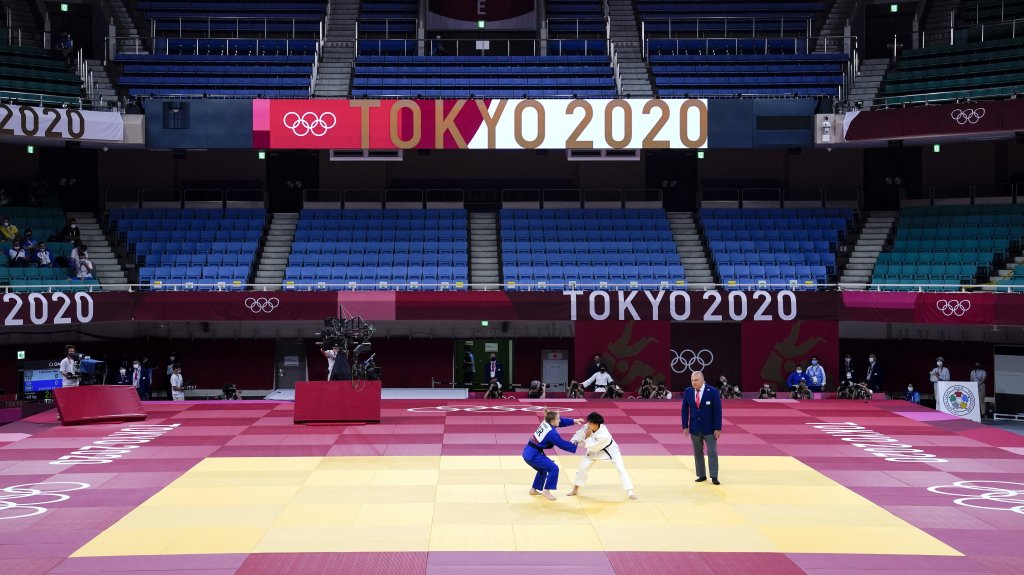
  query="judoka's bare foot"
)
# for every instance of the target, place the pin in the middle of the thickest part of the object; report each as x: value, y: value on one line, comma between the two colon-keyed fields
x: 633, y: 496
x: 548, y: 495
x: 575, y: 491
x: 534, y: 491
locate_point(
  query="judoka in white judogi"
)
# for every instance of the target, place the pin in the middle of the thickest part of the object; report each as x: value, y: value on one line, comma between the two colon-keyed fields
x: 600, y: 445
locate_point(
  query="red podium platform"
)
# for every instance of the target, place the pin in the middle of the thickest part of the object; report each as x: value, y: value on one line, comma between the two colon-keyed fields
x: 337, y: 401
x: 98, y: 404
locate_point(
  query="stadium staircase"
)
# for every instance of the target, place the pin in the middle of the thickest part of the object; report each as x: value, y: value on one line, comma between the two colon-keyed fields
x: 634, y: 76
x: 124, y: 25
x: 21, y: 19
x: 102, y: 89
x: 334, y: 73
x: 868, y: 80
x: 106, y: 267
x: 277, y: 246
x: 691, y: 250
x: 835, y: 24
x: 484, y: 264
x: 874, y: 235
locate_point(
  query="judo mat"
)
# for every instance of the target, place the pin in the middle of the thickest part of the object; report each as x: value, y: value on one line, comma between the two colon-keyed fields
x: 440, y: 487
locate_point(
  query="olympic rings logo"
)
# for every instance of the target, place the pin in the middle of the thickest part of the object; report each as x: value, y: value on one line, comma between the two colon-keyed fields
x: 957, y: 307
x: 689, y: 360
x: 36, y: 496
x: 984, y: 494
x: 967, y: 115
x: 498, y: 408
x: 262, y: 304
x: 309, y: 123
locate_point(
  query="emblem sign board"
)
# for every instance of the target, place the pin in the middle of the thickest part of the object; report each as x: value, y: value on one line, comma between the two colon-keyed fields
x: 959, y: 398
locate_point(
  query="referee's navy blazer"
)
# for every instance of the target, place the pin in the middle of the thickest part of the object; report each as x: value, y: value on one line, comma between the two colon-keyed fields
x: 705, y: 418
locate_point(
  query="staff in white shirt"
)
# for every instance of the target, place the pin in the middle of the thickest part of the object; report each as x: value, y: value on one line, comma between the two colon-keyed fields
x: 601, y: 379
x: 600, y: 447
x: 979, y: 375
x: 177, y: 385
x: 67, y: 368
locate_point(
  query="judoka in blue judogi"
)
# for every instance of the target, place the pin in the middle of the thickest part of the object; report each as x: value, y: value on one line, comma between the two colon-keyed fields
x: 546, y: 437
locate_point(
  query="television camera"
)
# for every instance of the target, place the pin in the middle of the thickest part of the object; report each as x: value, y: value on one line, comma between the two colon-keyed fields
x: 352, y: 338
x: 90, y: 371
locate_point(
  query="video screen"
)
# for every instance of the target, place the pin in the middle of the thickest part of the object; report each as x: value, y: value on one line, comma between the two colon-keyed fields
x: 41, y: 376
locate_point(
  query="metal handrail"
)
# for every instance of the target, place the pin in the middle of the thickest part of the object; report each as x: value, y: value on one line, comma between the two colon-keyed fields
x: 603, y: 20
x: 452, y: 285
x: 19, y: 36
x: 924, y: 98
x: 808, y: 42
x: 387, y: 24
x: 165, y: 47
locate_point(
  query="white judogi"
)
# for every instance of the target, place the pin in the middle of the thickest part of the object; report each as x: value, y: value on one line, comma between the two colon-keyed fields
x: 67, y: 366
x: 177, y: 382
x: 600, y: 381
x: 600, y: 447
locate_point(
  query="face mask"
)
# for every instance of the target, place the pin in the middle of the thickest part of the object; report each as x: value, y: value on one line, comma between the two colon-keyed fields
x: 123, y: 370
x: 799, y: 371
x: 938, y: 363
x: 871, y: 359
x: 603, y: 370
x: 847, y: 360
x: 849, y: 375
x: 814, y: 362
x: 135, y: 365
x: 910, y: 388
x: 172, y: 358
x: 73, y: 226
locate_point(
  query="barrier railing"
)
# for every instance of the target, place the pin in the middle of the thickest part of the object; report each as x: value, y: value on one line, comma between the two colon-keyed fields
x: 719, y: 26
x: 761, y: 45
x: 457, y: 285
x: 364, y: 27
x: 482, y: 47
x: 302, y: 27
x: 23, y: 37
x: 599, y: 25
x: 206, y: 46
x: 949, y: 96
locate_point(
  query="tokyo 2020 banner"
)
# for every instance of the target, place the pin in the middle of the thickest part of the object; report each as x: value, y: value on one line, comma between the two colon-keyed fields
x: 480, y: 124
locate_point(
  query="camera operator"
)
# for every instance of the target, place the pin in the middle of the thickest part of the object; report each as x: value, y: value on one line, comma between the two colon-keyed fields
x: 494, y: 390
x: 662, y: 392
x: 862, y: 391
x: 575, y: 390
x: 647, y: 388
x: 801, y: 391
x: 538, y: 390
x: 613, y: 391
x: 230, y: 392
x: 69, y: 367
x: 767, y: 392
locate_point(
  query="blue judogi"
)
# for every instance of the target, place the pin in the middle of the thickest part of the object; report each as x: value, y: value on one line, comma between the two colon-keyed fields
x: 546, y: 437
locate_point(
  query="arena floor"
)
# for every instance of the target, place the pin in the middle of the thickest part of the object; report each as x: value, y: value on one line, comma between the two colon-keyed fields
x: 439, y: 487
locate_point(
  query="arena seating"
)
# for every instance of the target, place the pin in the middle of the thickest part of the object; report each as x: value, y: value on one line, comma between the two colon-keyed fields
x: 386, y: 249
x: 587, y: 76
x: 575, y: 18
x: 25, y: 70
x: 949, y: 246
x: 45, y: 222
x: 744, y: 66
x: 221, y: 67
x: 547, y: 249
x: 969, y: 69
x: 748, y: 18
x: 191, y: 248
x: 775, y: 248
x: 388, y: 18
x: 233, y: 18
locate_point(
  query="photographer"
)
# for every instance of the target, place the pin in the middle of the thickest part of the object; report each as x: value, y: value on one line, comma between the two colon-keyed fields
x: 538, y: 390
x: 613, y: 391
x: 575, y: 390
x: 801, y: 392
x: 766, y: 392
x: 69, y: 367
x: 494, y: 390
x: 331, y: 355
x: 647, y: 388
x: 230, y: 392
x: 662, y: 392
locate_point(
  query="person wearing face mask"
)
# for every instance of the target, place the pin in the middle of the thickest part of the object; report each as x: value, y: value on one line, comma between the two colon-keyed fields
x: 495, y: 371
x: 815, y: 375
x: 873, y: 375
x: 912, y: 395
x: 979, y: 375
x: 140, y: 379
x: 43, y: 256
x: 8, y: 231
x: 177, y: 384
x: 28, y: 241
x: 847, y: 368
x: 796, y: 378
x: 594, y: 366
x: 17, y: 256
x: 846, y: 387
x: 940, y: 372
x: 71, y: 232
x: 122, y: 377
x: 599, y: 380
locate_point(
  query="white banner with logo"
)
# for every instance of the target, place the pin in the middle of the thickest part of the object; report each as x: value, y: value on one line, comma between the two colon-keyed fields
x: 959, y: 398
x: 60, y: 123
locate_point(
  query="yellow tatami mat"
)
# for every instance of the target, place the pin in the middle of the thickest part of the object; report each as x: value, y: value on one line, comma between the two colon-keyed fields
x: 460, y: 503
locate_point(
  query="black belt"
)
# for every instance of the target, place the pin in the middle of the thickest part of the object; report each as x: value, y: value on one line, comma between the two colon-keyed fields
x: 606, y: 449
x: 535, y: 446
